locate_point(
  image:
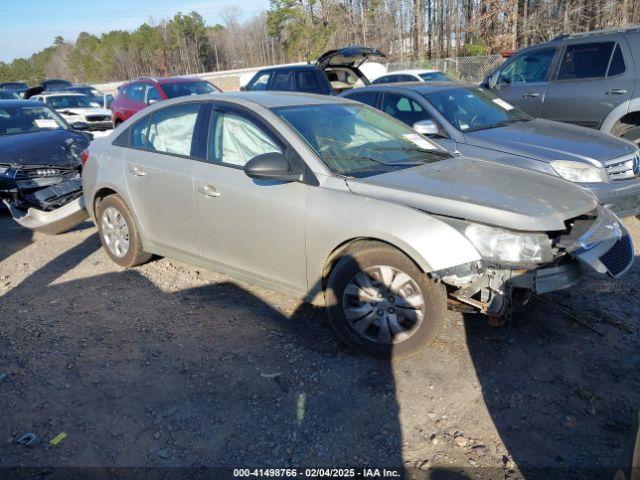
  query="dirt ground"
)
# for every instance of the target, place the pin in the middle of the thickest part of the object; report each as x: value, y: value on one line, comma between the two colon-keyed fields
x: 167, y: 365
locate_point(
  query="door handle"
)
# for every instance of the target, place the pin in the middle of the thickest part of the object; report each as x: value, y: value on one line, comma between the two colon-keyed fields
x: 208, y: 191
x: 531, y: 95
x: 137, y: 171
x: 616, y: 91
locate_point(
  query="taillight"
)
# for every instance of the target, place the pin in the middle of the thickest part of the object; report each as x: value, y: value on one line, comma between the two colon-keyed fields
x: 84, y: 156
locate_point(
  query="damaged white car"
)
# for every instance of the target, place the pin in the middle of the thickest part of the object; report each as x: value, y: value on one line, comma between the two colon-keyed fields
x: 342, y: 205
x: 80, y: 111
x: 40, y: 167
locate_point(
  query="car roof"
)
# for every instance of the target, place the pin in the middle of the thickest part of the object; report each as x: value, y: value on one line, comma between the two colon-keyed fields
x: 21, y: 103
x: 411, y: 71
x: 61, y: 94
x: 309, y: 66
x: 420, y: 87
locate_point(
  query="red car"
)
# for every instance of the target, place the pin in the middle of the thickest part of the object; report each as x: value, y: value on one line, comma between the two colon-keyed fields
x: 141, y: 92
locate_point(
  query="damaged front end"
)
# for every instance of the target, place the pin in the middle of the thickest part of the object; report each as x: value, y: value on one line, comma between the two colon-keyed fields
x: 596, y: 241
x: 46, y: 198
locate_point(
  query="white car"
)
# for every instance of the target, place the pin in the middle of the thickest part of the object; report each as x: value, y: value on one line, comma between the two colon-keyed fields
x: 79, y: 111
x: 415, y: 75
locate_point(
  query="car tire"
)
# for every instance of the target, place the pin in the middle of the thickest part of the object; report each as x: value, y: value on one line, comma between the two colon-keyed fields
x: 119, y: 234
x: 380, y: 303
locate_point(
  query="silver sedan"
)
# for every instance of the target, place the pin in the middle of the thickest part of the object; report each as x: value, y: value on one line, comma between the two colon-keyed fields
x: 342, y: 205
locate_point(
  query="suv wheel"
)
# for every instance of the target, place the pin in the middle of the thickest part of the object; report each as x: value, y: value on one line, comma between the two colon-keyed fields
x: 380, y: 303
x: 119, y: 234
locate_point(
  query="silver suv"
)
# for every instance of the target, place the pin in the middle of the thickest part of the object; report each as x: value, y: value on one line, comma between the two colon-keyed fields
x: 590, y: 79
x: 342, y: 205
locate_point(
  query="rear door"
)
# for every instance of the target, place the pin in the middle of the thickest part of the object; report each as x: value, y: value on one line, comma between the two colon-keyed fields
x: 594, y: 76
x: 523, y: 80
x: 158, y: 171
x: 247, y: 225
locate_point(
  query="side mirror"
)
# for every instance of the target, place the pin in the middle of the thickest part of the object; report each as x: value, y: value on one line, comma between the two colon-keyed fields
x: 243, y: 88
x: 80, y: 126
x: 272, y: 166
x: 426, y: 127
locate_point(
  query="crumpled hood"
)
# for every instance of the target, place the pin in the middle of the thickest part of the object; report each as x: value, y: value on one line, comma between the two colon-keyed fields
x: 84, y: 111
x: 546, y: 140
x: 483, y: 192
x: 48, y: 147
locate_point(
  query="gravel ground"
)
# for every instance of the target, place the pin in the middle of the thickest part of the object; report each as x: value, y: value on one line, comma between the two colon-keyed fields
x: 168, y: 365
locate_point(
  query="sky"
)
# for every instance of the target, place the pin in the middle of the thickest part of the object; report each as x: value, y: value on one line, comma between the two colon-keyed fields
x: 27, y: 26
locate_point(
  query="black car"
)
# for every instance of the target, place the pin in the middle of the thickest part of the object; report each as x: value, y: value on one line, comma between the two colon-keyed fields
x: 55, y: 85
x: 40, y: 166
x: 9, y: 95
x: 18, y: 87
x: 334, y: 72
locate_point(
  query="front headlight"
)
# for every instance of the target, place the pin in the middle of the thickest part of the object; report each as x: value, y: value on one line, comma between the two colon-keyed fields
x: 507, y: 247
x: 578, y: 172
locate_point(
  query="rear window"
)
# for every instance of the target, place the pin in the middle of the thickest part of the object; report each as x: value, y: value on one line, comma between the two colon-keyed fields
x: 183, y: 89
x: 587, y: 60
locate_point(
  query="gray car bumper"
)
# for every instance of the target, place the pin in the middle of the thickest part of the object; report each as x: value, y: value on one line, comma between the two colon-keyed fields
x: 57, y: 221
x: 622, y: 197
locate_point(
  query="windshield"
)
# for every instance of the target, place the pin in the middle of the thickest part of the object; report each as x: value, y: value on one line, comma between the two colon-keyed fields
x: 183, y: 89
x: 25, y: 119
x: 358, y: 141
x: 470, y: 109
x: 69, y: 101
x: 434, y: 77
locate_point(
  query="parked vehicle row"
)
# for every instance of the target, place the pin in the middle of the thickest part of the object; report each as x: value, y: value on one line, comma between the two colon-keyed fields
x: 380, y: 202
x: 345, y: 206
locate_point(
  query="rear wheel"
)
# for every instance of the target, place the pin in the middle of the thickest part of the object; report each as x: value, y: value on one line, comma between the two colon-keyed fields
x: 119, y: 234
x: 380, y: 303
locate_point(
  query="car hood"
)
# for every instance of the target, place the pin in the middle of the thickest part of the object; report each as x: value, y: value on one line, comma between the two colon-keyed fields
x: 84, y: 111
x: 546, y: 140
x: 483, y: 192
x: 50, y: 147
x: 353, y: 56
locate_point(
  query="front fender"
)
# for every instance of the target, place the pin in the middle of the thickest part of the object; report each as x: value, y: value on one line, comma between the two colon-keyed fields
x: 336, y: 216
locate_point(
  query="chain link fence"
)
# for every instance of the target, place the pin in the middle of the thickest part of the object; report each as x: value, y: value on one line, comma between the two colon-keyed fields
x: 462, y: 69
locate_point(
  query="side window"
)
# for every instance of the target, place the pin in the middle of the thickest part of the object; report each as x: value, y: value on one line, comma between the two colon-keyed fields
x: 369, y: 98
x: 403, y: 108
x: 307, y: 81
x: 280, y: 81
x: 171, y: 129
x: 528, y: 68
x: 234, y: 140
x: 152, y: 95
x: 616, y: 66
x: 407, y: 78
x: 260, y: 83
x: 138, y: 138
x: 586, y: 60
x: 135, y: 92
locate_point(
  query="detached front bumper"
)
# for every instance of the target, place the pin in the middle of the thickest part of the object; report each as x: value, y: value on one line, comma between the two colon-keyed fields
x: 621, y: 196
x: 54, y: 222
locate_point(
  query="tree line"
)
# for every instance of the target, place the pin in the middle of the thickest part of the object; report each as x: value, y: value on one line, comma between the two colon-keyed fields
x: 298, y: 30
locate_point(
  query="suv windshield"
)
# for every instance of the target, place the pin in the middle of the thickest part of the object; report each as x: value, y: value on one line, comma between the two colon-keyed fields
x: 470, y: 109
x: 25, y: 119
x: 183, y: 89
x: 358, y: 141
x: 69, y: 101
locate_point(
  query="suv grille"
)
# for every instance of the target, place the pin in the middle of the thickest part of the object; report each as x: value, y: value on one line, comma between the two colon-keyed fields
x: 619, y: 257
x: 623, y: 168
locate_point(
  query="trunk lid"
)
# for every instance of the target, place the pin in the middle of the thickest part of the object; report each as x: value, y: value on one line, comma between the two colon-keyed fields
x: 352, y: 56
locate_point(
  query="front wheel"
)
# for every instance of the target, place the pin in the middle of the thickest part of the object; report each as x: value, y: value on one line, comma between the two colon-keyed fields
x: 119, y: 234
x: 380, y: 303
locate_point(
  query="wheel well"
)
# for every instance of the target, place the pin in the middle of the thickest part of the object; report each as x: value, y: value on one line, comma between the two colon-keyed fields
x: 349, y: 246
x: 99, y: 197
x: 626, y: 123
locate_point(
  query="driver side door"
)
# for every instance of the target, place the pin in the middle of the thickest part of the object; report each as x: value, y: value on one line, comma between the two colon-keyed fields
x: 250, y: 227
x: 524, y: 80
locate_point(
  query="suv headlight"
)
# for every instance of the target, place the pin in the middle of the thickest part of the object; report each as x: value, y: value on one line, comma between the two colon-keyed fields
x: 502, y: 247
x: 578, y: 172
